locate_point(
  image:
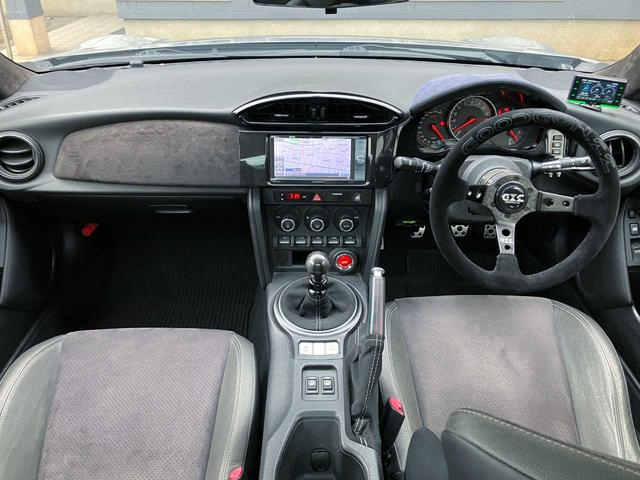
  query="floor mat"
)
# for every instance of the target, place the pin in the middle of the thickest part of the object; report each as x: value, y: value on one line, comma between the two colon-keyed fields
x: 428, y: 274
x: 181, y: 276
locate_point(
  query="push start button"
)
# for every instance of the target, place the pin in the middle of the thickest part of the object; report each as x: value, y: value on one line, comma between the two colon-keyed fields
x: 344, y: 261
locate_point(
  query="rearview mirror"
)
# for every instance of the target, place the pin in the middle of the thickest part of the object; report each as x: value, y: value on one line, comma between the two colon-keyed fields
x: 329, y: 5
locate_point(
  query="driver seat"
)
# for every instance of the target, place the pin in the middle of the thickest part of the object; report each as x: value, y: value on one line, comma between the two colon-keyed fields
x: 534, y: 362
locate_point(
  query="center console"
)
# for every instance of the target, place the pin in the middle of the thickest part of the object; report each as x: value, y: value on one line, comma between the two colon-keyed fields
x: 317, y: 224
x: 308, y: 423
x: 319, y: 195
x: 332, y: 220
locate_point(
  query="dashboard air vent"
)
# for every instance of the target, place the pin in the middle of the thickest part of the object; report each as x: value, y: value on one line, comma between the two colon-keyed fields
x: 16, y: 102
x: 625, y: 148
x: 338, y: 110
x: 21, y: 157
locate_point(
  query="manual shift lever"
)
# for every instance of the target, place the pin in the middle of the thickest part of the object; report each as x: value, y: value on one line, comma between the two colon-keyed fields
x: 318, y: 301
x: 317, y: 265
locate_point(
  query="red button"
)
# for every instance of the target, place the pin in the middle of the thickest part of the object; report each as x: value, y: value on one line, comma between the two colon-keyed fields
x: 344, y: 261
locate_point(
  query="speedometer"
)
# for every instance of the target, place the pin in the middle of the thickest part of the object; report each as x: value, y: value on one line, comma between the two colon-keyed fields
x: 468, y: 113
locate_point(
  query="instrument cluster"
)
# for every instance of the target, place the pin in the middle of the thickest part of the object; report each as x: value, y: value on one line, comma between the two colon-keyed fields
x: 440, y: 127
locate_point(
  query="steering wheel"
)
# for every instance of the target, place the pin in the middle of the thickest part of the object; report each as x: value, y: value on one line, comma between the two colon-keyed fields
x: 510, y: 196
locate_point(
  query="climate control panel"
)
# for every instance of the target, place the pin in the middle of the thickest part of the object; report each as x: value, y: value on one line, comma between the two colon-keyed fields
x: 333, y: 221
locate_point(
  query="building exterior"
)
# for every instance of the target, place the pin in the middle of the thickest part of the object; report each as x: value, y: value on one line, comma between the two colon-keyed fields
x: 612, y: 26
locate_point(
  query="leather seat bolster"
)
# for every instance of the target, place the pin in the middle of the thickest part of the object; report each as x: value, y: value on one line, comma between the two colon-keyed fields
x: 480, y: 446
x: 26, y: 391
x: 396, y: 380
x: 597, y: 385
x: 235, y: 412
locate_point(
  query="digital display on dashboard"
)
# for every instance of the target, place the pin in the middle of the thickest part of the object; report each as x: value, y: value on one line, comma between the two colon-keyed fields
x: 592, y: 90
x: 318, y: 158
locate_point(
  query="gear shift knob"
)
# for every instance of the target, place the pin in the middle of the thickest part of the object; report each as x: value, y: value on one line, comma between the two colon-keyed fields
x: 317, y: 265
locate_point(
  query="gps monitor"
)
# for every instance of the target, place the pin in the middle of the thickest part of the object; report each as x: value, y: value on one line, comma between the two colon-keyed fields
x: 597, y: 91
x: 318, y: 159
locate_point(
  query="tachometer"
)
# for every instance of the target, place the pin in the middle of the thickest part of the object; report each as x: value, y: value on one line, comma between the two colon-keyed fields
x: 432, y: 131
x: 468, y: 113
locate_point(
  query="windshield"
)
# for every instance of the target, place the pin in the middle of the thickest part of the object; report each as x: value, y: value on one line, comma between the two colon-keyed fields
x: 569, y: 34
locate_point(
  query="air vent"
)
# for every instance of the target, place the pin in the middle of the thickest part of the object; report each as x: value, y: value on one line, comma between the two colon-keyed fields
x: 16, y: 102
x: 625, y: 148
x: 21, y: 157
x: 334, y: 110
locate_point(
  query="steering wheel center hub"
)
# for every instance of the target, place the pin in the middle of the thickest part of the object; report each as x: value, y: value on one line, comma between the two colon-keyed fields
x: 511, y: 197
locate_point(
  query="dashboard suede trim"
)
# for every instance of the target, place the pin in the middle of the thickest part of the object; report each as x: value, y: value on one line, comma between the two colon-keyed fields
x: 153, y: 152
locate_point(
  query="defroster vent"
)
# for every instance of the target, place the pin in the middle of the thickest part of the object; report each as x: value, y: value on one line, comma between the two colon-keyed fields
x: 309, y: 109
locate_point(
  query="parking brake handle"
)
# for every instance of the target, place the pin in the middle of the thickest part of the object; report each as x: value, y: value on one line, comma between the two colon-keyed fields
x: 376, y: 301
x: 366, y: 365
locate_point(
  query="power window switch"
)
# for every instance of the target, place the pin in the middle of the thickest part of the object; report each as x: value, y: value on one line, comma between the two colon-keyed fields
x: 311, y: 385
x: 634, y: 229
x: 328, y: 386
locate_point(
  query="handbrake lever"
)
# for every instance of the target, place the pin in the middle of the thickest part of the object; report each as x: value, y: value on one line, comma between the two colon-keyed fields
x: 376, y: 301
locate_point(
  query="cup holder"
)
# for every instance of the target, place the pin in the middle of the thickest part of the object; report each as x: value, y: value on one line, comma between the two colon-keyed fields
x: 313, y: 452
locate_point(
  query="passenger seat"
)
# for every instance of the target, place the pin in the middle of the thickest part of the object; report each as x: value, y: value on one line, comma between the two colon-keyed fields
x: 149, y: 403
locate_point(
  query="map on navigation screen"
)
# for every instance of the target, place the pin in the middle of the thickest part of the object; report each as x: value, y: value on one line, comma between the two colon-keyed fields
x: 320, y: 157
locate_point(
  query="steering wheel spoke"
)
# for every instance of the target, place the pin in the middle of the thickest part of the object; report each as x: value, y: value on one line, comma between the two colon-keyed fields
x: 555, y: 203
x: 506, y: 236
x: 589, y: 207
x: 476, y: 193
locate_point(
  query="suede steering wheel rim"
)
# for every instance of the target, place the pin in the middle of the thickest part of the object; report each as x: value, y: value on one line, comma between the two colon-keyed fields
x: 600, y: 208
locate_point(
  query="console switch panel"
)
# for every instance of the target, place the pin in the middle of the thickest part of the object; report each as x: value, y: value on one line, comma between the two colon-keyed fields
x: 319, y: 383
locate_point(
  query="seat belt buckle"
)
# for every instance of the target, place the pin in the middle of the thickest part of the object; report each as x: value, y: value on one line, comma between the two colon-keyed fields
x: 392, y: 418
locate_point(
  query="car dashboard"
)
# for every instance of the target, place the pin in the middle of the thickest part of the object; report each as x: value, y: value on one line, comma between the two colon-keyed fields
x: 161, y: 139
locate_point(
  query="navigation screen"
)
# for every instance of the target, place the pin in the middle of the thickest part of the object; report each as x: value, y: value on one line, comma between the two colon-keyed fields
x: 332, y: 158
x: 597, y: 90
